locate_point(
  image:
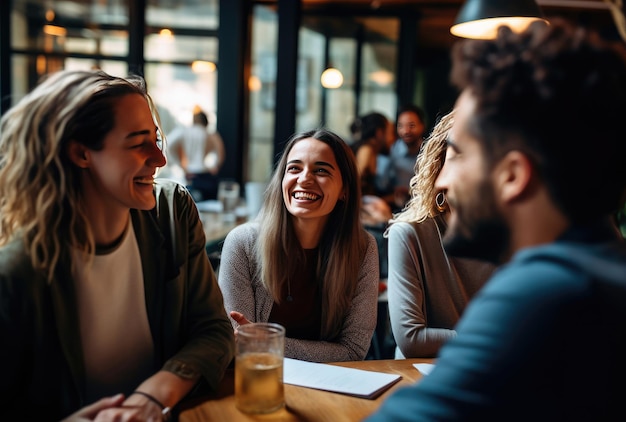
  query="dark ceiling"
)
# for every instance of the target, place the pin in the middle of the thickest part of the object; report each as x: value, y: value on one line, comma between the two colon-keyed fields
x: 436, y: 16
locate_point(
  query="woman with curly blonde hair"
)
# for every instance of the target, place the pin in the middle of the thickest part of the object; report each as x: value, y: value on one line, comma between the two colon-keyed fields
x: 423, y: 201
x: 428, y: 290
x: 106, y: 293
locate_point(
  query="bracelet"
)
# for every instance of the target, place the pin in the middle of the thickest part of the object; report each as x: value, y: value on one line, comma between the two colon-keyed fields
x: 165, y: 411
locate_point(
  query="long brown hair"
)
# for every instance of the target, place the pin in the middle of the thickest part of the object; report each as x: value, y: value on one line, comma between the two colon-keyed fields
x: 342, y: 245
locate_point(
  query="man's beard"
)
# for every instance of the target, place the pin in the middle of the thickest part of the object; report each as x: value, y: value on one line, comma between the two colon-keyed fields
x: 480, y: 231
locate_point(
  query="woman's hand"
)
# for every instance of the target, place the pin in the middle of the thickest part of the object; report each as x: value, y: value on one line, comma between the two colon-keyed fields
x: 88, y: 413
x: 135, y: 408
x: 239, y: 318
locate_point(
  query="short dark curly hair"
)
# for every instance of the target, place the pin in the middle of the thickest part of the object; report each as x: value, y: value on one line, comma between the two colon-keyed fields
x: 556, y: 92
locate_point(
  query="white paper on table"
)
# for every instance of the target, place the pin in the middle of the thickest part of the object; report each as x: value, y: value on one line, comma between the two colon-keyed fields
x: 338, y: 379
x: 424, y: 368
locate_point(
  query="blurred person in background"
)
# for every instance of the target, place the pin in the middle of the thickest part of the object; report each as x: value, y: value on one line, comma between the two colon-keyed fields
x: 410, y: 129
x: 374, y: 142
x: 355, y: 131
x: 200, y: 154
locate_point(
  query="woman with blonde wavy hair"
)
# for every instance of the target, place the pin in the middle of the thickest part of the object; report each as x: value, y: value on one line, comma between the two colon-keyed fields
x: 428, y: 290
x: 306, y: 262
x: 106, y: 293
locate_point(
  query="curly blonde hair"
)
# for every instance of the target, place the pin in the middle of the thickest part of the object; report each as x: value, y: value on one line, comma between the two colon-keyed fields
x: 40, y: 188
x: 427, y: 167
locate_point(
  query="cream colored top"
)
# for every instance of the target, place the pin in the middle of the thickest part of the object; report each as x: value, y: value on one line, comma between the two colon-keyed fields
x: 115, y: 335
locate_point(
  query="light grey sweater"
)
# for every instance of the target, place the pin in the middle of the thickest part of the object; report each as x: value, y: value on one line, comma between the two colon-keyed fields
x: 427, y: 290
x: 244, y: 292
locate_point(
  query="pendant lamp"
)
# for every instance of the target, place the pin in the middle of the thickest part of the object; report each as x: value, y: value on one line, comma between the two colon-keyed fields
x: 481, y: 18
x: 331, y: 78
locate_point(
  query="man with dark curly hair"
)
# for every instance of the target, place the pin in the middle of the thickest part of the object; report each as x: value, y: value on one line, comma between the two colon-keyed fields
x: 535, y: 169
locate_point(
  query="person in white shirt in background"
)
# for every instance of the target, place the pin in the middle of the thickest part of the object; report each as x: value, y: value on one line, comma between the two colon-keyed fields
x: 200, y: 154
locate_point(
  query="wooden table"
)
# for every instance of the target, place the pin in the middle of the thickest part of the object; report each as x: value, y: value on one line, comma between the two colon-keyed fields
x: 305, y: 404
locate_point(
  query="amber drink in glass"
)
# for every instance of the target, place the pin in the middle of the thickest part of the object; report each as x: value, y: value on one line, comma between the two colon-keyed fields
x: 259, y: 368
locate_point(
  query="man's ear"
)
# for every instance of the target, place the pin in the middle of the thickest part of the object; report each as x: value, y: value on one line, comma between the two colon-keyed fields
x: 78, y: 154
x: 513, y: 175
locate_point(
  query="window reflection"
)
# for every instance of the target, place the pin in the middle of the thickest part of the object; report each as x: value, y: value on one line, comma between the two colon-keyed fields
x: 260, y: 155
x: 85, y: 34
x: 54, y: 35
x: 173, y: 47
x: 373, y: 89
x: 195, y: 14
x: 70, y: 26
x: 180, y: 53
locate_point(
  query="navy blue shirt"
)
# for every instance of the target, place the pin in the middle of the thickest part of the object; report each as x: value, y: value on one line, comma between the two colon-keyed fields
x: 545, y: 339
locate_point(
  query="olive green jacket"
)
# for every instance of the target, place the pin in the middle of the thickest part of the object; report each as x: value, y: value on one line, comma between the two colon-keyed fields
x: 40, y: 351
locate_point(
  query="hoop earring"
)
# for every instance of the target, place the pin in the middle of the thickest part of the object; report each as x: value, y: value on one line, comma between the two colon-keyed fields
x: 440, y: 201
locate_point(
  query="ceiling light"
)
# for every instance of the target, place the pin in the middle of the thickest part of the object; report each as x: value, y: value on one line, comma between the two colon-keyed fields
x: 254, y: 83
x: 481, y: 18
x: 55, y: 30
x: 381, y: 77
x: 166, y: 33
x: 331, y: 78
x: 202, y: 66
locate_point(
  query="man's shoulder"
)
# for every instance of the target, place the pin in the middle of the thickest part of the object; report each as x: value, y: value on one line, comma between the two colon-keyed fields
x: 602, y: 260
x: 560, y: 271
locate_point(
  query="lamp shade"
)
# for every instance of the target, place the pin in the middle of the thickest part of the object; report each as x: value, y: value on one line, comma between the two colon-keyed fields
x: 481, y: 18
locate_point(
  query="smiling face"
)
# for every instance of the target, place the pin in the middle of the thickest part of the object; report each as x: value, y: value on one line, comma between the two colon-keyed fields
x: 121, y: 174
x: 410, y: 128
x: 476, y: 228
x: 312, y: 183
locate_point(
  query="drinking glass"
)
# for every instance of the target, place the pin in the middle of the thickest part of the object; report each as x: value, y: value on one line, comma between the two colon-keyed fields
x: 255, y: 192
x: 228, y: 195
x: 259, y: 367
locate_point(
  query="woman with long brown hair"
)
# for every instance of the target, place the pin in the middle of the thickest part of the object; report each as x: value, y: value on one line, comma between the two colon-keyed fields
x: 306, y: 262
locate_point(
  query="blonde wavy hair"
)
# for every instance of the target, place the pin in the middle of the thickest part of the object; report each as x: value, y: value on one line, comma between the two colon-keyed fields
x: 39, y: 186
x: 427, y: 167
